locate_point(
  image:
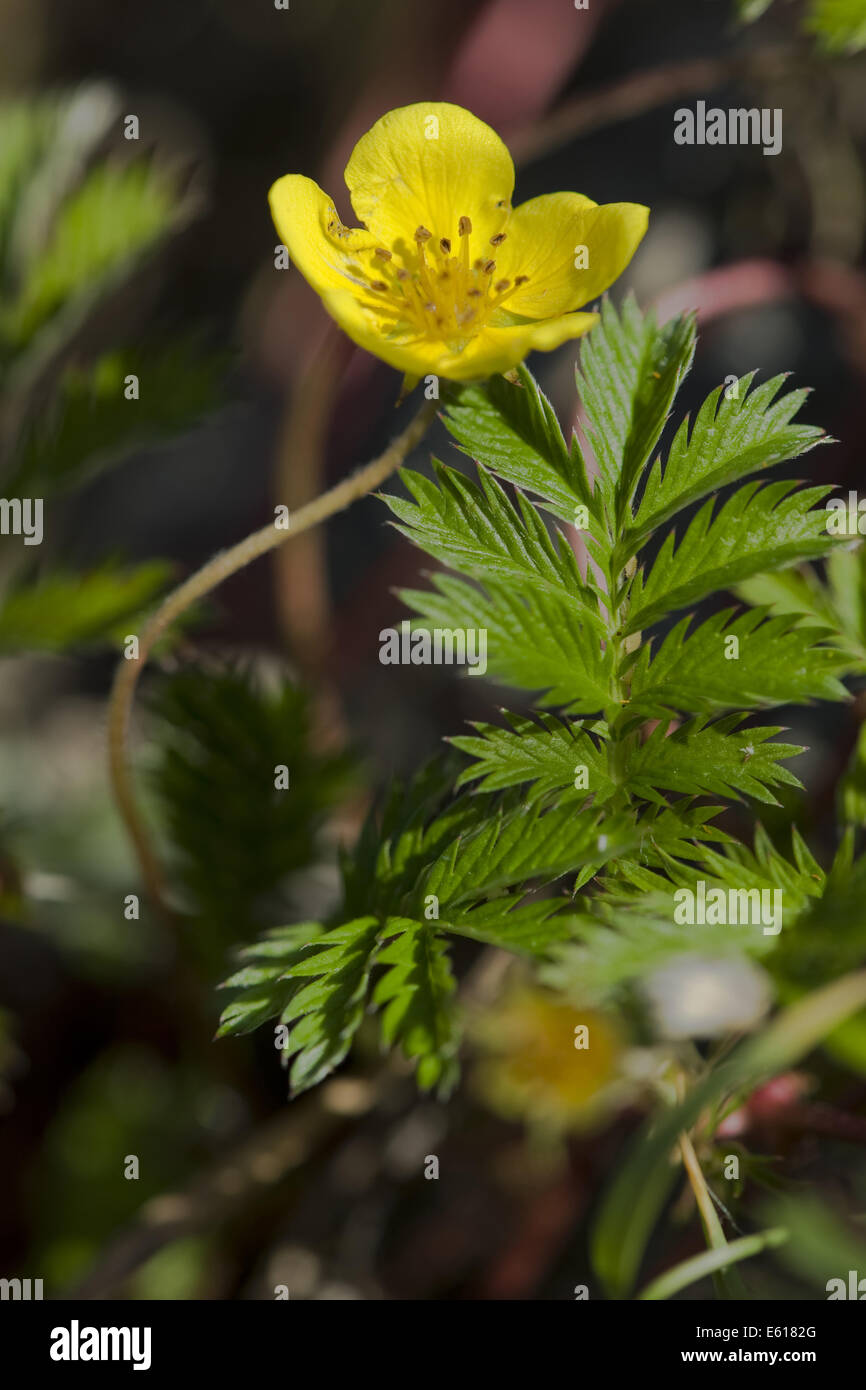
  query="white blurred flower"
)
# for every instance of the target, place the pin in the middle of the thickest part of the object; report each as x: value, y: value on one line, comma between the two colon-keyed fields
x: 707, y: 996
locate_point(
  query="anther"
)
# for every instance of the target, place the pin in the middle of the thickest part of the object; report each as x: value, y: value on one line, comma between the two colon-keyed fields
x: 402, y: 274
x: 475, y: 294
x: 422, y: 234
x: 464, y: 226
x: 501, y: 285
x: 382, y: 253
x: 520, y: 280
x: 489, y: 267
x: 378, y: 285
x: 445, y: 246
x: 498, y: 239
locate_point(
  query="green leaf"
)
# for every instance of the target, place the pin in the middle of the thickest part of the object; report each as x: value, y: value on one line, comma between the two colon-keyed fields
x: 630, y: 371
x: 476, y: 531
x: 676, y: 832
x: 758, y: 528
x: 418, y: 991
x: 852, y: 787
x: 76, y: 128
x: 524, y: 928
x: 723, y: 759
x: 60, y: 611
x: 614, y: 954
x: 633, y: 930
x: 642, y: 1184
x: 529, y: 843
x: 776, y: 663
x: 545, y: 754
x: 513, y: 431
x: 401, y: 837
x: 829, y: 938
x: 822, y: 1246
x: 709, y: 1261
x: 730, y: 438
x: 846, y: 582
x: 839, y: 25
x: 116, y: 213
x: 221, y: 735
x: 27, y: 129
x: 417, y: 988
x: 735, y: 865
x: 262, y: 992
x: 326, y: 1013
x: 791, y: 591
x: 765, y: 867
x: 535, y: 641
x: 749, y: 10
x: 91, y: 423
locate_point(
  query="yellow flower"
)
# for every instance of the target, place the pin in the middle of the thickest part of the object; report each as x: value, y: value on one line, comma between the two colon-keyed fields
x: 546, y: 1062
x: 443, y: 277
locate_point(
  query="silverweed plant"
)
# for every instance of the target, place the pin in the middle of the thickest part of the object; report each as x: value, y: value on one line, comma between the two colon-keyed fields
x: 582, y: 831
x: 576, y: 836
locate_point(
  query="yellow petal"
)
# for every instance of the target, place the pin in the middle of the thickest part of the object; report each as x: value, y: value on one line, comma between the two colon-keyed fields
x: 500, y: 349
x: 545, y: 237
x: 493, y: 350
x: 429, y: 165
x: 325, y: 252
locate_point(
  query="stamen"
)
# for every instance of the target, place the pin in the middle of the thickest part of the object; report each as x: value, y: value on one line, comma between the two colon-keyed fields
x: 421, y: 236
x: 504, y: 292
x: 464, y: 228
x: 448, y: 297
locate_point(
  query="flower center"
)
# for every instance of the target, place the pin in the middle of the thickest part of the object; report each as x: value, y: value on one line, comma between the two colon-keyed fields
x: 440, y: 292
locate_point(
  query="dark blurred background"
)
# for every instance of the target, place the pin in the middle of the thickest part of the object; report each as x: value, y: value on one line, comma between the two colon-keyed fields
x: 102, y: 1058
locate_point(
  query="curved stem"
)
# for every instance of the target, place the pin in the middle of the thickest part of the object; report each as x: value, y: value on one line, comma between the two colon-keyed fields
x: 706, y: 1208
x: 226, y: 563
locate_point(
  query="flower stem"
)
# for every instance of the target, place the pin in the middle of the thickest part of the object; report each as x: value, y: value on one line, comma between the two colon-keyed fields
x: 224, y: 564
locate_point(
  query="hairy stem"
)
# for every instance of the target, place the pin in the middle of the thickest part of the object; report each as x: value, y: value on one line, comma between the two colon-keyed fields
x: 224, y: 564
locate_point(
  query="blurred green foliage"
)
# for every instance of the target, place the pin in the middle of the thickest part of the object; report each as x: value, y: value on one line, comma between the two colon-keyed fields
x: 81, y: 214
x: 235, y: 836
x: 129, y: 1104
x: 839, y: 26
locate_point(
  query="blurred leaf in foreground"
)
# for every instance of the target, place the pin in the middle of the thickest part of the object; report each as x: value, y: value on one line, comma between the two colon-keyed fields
x: 63, y: 610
